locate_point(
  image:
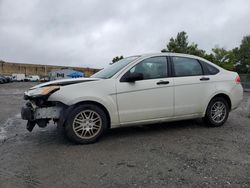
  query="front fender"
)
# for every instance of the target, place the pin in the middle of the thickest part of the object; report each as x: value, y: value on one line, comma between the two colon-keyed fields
x: 102, y: 92
x: 109, y: 103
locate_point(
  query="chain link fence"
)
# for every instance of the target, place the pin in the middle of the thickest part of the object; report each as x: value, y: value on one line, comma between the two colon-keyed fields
x: 245, y: 81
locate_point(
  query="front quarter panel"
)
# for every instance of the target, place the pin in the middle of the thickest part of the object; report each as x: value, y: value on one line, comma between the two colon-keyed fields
x: 100, y: 91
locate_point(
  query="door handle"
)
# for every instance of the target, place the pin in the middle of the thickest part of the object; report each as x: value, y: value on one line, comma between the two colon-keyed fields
x: 161, y: 82
x: 204, y: 79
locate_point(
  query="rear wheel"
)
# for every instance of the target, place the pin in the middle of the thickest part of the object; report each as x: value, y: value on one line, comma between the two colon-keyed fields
x: 86, y: 124
x: 217, y: 112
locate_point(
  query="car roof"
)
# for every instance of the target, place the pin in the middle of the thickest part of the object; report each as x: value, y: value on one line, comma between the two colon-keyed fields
x: 148, y: 55
x: 170, y: 54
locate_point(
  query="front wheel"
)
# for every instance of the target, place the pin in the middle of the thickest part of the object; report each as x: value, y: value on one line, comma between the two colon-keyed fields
x: 86, y: 124
x: 217, y: 112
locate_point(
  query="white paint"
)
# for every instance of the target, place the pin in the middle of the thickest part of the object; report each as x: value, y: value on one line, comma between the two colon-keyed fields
x: 145, y: 101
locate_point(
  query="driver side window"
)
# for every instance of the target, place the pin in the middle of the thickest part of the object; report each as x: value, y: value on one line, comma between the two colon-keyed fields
x: 151, y: 68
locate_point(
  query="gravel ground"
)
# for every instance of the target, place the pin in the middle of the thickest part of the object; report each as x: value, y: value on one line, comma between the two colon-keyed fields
x: 179, y: 154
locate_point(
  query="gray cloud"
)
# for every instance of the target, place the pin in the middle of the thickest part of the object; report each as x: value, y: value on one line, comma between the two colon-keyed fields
x: 90, y: 32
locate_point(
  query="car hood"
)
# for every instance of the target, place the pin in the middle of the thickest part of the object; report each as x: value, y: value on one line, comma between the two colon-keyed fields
x: 64, y: 82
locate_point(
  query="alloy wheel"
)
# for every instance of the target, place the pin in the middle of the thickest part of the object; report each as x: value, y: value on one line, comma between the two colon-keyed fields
x: 87, y: 124
x: 218, y: 112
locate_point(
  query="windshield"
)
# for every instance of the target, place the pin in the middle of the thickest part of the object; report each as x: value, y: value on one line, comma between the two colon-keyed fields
x: 112, y: 69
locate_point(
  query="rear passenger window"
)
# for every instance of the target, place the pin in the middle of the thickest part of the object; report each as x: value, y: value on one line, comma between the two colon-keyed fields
x: 186, y: 66
x: 211, y: 69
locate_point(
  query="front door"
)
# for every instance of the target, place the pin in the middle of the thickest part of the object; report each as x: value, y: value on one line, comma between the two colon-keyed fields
x: 148, y: 99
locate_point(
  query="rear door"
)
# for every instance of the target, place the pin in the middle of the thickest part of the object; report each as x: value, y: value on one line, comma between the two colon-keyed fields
x: 192, y: 86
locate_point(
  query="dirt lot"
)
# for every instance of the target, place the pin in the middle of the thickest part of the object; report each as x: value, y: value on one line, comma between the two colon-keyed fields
x: 177, y: 154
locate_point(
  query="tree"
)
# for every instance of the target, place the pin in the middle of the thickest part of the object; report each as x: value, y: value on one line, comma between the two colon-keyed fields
x: 117, y: 58
x: 194, y: 50
x: 180, y: 45
x: 223, y: 58
x: 242, y: 55
x: 235, y: 59
x: 209, y: 57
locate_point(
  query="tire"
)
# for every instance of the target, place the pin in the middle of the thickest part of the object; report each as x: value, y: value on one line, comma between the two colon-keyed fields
x: 217, y: 112
x: 86, y: 124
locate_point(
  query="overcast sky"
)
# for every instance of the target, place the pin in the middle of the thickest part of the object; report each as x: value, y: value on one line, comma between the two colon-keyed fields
x: 90, y: 32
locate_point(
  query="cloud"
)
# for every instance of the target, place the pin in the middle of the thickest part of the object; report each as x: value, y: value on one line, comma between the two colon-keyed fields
x: 90, y: 32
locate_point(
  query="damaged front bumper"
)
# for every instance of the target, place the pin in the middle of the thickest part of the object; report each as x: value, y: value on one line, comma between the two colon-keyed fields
x: 40, y: 115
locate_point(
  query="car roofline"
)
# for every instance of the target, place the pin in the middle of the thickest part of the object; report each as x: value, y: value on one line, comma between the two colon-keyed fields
x: 148, y: 55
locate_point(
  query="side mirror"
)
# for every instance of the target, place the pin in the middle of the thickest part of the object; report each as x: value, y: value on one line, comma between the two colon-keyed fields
x: 132, y: 77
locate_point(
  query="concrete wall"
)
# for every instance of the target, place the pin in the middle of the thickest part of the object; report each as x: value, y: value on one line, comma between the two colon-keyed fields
x: 7, y: 68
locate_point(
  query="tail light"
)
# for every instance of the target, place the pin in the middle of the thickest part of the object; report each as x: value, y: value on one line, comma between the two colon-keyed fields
x: 237, y: 79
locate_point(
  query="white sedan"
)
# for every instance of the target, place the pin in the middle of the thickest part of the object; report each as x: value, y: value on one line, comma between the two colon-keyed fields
x: 144, y: 89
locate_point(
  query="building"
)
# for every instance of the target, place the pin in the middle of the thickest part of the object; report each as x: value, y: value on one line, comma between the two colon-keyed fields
x: 64, y: 73
x: 7, y: 68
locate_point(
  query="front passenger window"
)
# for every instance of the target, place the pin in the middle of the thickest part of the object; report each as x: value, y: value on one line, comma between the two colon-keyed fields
x: 151, y: 68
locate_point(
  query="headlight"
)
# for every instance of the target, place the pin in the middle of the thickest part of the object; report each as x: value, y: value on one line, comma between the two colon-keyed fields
x: 42, y: 91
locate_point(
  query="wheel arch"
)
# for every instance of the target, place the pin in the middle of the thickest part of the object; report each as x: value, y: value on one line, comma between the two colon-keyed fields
x: 99, y: 105
x: 223, y: 95
x: 64, y: 116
